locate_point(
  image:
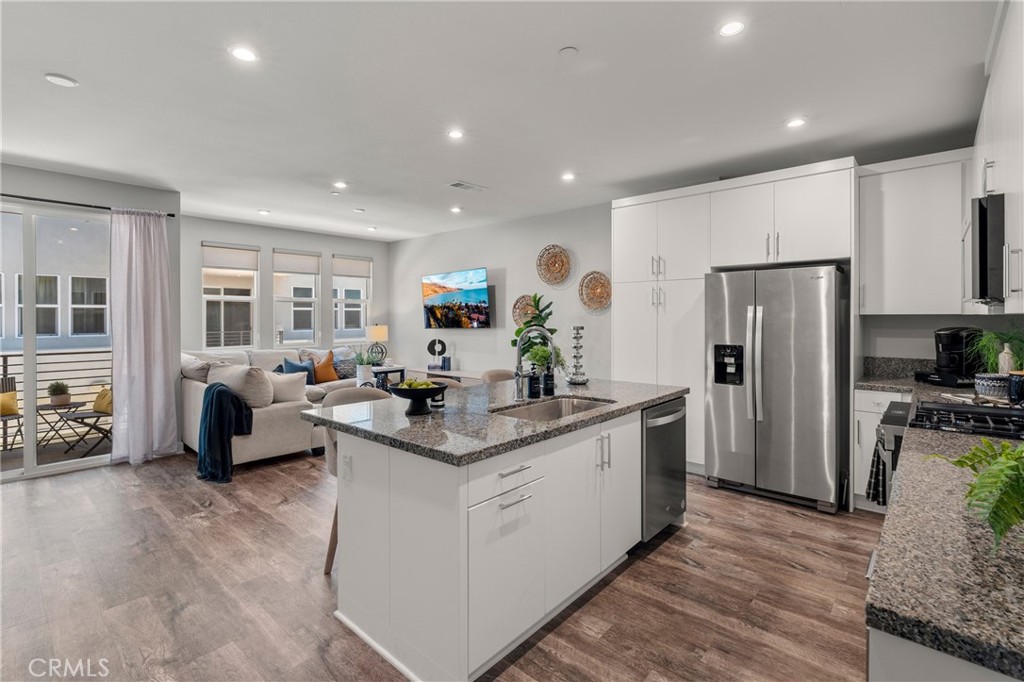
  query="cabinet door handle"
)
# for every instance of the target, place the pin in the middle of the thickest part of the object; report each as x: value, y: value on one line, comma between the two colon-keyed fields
x: 522, y: 498
x: 767, y: 245
x: 858, y: 432
x: 506, y: 474
x: 777, y: 251
x: 661, y: 266
x: 600, y: 451
x: 609, y: 437
x: 654, y: 300
x: 654, y: 267
x: 661, y: 299
x: 1020, y: 271
x: 1006, y: 270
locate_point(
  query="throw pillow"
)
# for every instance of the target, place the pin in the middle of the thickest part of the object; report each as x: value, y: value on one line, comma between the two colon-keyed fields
x: 288, y: 387
x: 9, y: 404
x: 311, y: 354
x: 344, y: 362
x: 323, y: 371
x: 104, y: 402
x: 250, y: 383
x: 194, y: 368
x: 289, y: 367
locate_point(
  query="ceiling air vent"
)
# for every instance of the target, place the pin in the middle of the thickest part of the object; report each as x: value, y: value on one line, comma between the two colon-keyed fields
x: 459, y: 184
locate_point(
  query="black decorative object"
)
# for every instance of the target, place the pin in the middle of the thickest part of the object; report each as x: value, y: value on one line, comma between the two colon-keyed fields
x: 418, y: 398
x: 437, y: 347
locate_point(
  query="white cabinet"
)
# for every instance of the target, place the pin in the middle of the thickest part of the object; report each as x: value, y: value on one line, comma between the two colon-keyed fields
x: 742, y: 225
x: 910, y: 241
x: 660, y: 240
x: 621, y: 474
x: 634, y: 332
x: 681, y: 353
x: 506, y: 569
x: 635, y: 243
x: 573, y: 516
x: 813, y: 217
x: 798, y: 219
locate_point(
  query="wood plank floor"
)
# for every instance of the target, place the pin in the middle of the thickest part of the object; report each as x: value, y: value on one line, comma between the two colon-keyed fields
x: 171, y: 578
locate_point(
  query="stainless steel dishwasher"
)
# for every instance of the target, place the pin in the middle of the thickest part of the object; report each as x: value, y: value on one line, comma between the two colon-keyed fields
x: 664, y: 461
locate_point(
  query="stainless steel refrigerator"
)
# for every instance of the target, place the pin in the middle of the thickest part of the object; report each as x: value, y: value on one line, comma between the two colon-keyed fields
x: 777, y: 391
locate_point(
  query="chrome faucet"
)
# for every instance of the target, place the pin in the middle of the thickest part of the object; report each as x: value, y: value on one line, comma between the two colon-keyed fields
x: 520, y: 376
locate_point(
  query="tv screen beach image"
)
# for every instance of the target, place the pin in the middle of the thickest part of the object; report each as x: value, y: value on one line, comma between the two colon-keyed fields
x: 454, y: 300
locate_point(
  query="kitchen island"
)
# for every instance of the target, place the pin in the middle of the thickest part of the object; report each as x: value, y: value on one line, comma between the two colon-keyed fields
x: 462, y: 532
x: 941, y: 605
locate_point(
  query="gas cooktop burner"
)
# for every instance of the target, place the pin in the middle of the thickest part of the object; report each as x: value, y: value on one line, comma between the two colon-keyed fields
x: 1001, y: 422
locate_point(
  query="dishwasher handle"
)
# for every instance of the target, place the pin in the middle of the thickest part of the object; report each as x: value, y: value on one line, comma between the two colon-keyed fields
x: 668, y: 418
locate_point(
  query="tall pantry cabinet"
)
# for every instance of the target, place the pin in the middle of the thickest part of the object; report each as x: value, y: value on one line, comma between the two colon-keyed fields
x: 659, y: 258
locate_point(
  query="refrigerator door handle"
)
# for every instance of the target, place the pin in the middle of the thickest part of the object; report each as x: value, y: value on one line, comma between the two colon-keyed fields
x: 758, y: 361
x: 750, y: 350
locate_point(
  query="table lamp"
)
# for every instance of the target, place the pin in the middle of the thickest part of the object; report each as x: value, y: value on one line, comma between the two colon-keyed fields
x: 378, y: 333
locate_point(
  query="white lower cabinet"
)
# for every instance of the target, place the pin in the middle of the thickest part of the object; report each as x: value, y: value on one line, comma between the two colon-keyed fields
x: 506, y: 569
x: 621, y: 474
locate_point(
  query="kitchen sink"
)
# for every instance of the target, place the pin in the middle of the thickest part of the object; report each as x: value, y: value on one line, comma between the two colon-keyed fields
x: 550, y: 410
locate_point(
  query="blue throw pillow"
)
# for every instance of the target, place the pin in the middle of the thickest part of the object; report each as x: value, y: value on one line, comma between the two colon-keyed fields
x: 296, y: 367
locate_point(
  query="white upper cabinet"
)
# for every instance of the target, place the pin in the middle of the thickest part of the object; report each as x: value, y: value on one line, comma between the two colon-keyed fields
x: 910, y: 248
x: 743, y: 225
x: 813, y: 217
x: 635, y: 243
x: 683, y: 237
x: 806, y: 218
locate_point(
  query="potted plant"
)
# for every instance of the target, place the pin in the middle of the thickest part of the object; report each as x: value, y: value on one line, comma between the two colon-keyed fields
x: 364, y: 367
x: 59, y: 393
x: 985, y: 350
x: 541, y: 314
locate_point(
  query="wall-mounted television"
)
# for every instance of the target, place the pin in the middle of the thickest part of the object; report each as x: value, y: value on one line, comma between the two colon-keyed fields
x: 456, y: 300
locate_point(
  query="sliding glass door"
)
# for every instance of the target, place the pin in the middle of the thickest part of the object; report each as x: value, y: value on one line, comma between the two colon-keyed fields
x: 54, y: 339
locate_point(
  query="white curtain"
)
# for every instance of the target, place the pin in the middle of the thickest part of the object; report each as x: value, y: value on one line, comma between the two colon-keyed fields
x: 145, y: 419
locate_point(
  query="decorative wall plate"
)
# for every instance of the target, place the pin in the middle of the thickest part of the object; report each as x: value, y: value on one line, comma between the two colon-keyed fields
x: 553, y: 264
x: 595, y: 290
x: 522, y: 309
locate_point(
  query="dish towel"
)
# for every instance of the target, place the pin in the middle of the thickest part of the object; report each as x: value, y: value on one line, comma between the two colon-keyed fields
x: 877, y: 490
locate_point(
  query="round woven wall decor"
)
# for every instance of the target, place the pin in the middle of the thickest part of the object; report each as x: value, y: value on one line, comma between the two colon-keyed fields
x: 522, y: 309
x: 553, y: 264
x: 595, y: 290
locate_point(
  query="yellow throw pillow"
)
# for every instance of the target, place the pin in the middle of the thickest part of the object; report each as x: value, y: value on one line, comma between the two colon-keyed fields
x: 9, y: 404
x: 324, y: 370
x: 104, y: 402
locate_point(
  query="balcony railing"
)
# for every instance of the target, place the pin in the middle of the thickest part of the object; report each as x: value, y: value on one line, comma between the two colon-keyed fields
x: 228, y: 338
x: 84, y: 371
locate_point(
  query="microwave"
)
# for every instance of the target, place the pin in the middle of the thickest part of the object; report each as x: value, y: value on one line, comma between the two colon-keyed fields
x: 989, y: 250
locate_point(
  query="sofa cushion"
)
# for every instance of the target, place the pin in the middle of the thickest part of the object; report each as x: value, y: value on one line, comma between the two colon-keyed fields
x: 323, y: 370
x: 232, y: 357
x: 194, y: 368
x: 269, y: 359
x: 288, y: 387
x: 335, y: 385
x: 315, y: 394
x: 289, y: 367
x: 250, y: 383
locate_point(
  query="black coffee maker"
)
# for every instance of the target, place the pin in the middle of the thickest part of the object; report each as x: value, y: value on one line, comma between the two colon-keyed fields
x: 954, y: 366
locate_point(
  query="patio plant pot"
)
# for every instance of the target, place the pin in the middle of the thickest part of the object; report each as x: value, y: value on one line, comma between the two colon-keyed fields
x: 60, y: 399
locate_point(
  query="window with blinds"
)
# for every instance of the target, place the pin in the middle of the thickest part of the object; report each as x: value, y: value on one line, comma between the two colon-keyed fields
x: 230, y: 279
x: 296, y: 283
x: 351, y: 296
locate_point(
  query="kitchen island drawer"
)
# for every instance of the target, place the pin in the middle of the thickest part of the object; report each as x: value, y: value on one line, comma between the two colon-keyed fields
x: 500, y: 474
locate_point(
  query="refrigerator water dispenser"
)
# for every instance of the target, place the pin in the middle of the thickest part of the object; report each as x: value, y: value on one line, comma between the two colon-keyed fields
x: 728, y: 364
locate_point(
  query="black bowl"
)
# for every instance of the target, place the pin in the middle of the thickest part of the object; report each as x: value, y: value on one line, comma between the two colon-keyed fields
x: 418, y: 397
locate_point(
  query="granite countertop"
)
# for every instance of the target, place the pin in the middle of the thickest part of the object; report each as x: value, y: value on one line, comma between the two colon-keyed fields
x: 466, y: 430
x: 936, y: 581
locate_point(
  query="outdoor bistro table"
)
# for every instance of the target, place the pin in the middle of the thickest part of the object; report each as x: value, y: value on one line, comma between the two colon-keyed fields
x: 50, y: 414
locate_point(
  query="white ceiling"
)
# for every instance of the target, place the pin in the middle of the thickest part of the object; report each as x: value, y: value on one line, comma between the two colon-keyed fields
x: 364, y: 92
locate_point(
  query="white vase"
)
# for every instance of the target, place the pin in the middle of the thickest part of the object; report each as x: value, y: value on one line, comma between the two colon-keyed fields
x: 364, y: 374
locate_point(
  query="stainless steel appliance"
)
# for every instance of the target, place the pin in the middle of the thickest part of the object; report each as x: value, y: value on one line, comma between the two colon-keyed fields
x: 777, y: 391
x: 1002, y: 422
x: 664, y: 462
x: 989, y: 250
x: 886, y: 457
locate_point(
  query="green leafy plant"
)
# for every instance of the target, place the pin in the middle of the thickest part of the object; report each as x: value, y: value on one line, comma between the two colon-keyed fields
x: 997, y: 493
x: 362, y: 357
x: 989, y: 344
x: 541, y: 314
x: 57, y: 388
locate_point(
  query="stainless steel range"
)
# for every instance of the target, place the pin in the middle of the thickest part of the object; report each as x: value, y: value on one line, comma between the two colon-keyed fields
x: 1002, y: 422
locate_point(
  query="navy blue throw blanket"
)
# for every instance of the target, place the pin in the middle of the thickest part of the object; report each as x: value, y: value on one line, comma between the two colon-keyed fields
x: 224, y: 415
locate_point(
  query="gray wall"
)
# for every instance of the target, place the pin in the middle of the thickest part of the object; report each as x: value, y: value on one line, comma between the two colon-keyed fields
x: 911, y: 336
x: 194, y: 231
x: 509, y: 252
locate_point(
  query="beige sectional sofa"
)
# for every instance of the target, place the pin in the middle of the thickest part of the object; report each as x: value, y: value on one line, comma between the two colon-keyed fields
x: 276, y: 428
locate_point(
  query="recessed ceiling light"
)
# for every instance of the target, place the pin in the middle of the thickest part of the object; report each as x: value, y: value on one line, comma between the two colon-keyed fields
x: 74, y: 229
x: 796, y: 122
x: 243, y: 53
x: 263, y: 211
x: 455, y: 134
x: 730, y: 29
x: 568, y: 176
x: 335, y: 194
x: 359, y: 210
x: 569, y: 51
x: 456, y: 209
x: 341, y: 184
x: 371, y: 228
x: 61, y: 80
